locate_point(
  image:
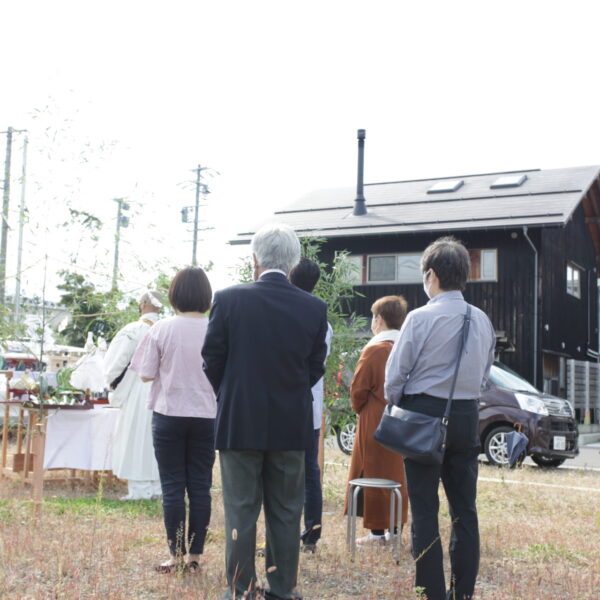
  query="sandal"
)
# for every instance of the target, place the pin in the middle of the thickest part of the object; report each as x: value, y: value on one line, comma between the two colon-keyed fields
x: 193, y: 567
x: 166, y: 569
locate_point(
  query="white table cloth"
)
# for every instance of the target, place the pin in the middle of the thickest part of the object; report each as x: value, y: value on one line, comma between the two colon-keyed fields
x: 80, y: 439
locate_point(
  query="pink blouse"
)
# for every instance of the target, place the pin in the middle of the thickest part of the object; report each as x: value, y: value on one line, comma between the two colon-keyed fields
x: 170, y: 354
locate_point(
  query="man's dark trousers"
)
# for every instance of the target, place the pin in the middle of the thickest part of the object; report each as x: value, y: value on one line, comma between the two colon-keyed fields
x: 459, y: 477
x: 251, y: 478
x: 313, y: 494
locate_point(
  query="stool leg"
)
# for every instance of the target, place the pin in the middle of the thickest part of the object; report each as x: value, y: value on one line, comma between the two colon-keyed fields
x: 392, y: 512
x: 397, y: 540
x: 349, y: 516
x: 354, y: 511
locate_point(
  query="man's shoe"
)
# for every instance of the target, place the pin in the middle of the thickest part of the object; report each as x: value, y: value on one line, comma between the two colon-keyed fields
x: 308, y: 548
x: 371, y: 540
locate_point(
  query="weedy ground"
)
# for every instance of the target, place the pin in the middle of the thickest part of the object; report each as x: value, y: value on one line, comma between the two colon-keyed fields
x: 540, y: 537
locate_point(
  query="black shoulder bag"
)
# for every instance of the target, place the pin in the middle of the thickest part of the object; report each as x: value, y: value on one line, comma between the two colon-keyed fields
x: 420, y: 437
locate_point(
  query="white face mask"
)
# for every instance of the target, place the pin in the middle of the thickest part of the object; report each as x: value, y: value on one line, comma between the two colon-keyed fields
x: 426, y: 283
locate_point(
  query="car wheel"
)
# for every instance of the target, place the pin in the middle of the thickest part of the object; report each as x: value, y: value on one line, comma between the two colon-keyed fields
x: 543, y: 461
x: 495, y: 446
x: 345, y: 437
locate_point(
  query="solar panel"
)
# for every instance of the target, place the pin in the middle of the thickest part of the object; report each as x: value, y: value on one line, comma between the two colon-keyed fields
x: 450, y: 185
x: 507, y: 181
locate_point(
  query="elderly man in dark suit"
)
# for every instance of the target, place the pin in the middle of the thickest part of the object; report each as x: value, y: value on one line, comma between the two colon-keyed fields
x: 264, y: 350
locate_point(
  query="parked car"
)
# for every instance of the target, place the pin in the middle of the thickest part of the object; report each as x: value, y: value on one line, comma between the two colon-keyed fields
x: 549, y: 422
x: 507, y: 402
x: 342, y: 421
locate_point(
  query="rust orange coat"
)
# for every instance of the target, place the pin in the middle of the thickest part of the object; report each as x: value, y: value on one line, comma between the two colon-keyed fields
x: 370, y: 459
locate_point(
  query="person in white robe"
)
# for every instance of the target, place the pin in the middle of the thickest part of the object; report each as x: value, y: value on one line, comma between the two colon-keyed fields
x: 133, y: 453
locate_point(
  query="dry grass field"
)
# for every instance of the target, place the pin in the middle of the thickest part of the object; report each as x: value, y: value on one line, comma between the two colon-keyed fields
x: 540, y: 535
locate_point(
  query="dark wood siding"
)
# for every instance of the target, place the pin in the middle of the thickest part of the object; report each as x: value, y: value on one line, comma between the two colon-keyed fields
x: 508, y: 302
x: 569, y: 324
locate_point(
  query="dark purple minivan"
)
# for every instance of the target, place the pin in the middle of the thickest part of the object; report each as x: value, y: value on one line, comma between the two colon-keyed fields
x: 508, y: 402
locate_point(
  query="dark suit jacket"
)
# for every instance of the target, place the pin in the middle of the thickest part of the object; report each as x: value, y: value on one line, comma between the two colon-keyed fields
x: 263, y: 351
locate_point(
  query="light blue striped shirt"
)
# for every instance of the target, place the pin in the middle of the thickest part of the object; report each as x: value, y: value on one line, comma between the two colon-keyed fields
x: 424, y: 356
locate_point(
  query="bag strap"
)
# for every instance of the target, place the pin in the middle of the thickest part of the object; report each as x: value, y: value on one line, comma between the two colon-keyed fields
x: 463, y: 341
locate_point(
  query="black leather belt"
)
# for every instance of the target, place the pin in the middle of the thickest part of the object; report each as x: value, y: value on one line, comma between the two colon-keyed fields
x: 414, y: 396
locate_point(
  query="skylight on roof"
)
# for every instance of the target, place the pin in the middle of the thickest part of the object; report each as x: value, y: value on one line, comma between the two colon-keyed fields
x: 450, y: 185
x: 508, y: 181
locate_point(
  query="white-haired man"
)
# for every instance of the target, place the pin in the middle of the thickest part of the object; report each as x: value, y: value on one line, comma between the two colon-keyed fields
x: 264, y: 350
x: 133, y: 453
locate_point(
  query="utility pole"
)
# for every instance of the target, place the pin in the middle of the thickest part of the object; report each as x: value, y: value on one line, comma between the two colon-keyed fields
x: 201, y: 188
x: 196, y: 209
x: 122, y: 221
x: 21, y: 223
x: 5, y: 206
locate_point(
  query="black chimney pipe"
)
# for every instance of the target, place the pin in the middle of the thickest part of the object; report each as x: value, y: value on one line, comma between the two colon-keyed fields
x: 359, y: 203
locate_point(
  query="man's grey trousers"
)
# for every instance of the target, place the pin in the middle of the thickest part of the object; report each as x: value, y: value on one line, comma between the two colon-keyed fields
x: 251, y: 479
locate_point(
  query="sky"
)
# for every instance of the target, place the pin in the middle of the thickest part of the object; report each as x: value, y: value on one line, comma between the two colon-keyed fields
x: 126, y: 99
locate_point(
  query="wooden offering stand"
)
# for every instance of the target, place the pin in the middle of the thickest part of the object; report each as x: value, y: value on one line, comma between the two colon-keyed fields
x: 27, y: 462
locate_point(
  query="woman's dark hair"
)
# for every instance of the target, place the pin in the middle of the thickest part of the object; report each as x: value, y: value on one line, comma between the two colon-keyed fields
x: 190, y: 290
x: 450, y: 261
x: 392, y: 309
x: 305, y: 274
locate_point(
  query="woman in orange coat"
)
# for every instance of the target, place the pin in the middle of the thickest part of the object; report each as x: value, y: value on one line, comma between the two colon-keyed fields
x: 370, y: 459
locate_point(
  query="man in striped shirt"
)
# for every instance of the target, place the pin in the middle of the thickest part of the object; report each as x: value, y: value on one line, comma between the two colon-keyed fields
x: 418, y: 377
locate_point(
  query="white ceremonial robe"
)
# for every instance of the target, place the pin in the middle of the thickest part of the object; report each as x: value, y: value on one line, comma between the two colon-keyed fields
x: 132, y: 449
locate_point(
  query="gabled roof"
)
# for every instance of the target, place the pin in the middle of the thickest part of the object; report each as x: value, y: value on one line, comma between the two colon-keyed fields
x: 546, y: 198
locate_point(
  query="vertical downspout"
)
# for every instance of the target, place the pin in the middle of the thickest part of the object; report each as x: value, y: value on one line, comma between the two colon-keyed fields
x: 535, y: 305
x: 589, y: 318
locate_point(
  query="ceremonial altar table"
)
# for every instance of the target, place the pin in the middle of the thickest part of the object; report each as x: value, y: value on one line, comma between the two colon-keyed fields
x: 80, y: 439
x: 68, y: 437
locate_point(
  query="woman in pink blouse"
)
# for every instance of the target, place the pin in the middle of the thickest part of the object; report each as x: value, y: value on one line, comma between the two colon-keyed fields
x: 184, y: 409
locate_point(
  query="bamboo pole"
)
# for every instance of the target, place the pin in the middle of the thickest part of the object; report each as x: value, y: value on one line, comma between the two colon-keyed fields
x: 5, y: 435
x: 31, y: 423
x: 39, y: 443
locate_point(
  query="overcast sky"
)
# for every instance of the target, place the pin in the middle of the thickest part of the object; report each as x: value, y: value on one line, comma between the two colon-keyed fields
x: 124, y: 99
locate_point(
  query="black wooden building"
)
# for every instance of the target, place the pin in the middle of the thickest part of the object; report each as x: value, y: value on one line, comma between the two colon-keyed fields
x: 534, y: 239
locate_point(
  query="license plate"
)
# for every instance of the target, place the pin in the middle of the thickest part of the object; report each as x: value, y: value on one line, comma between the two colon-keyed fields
x: 560, y: 442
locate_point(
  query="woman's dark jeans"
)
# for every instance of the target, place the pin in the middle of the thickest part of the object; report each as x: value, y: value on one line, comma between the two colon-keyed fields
x: 184, y: 450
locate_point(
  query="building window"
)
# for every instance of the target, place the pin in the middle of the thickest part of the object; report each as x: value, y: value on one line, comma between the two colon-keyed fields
x: 484, y: 265
x: 394, y: 268
x: 353, y: 270
x: 573, y: 280
x: 451, y: 185
x: 406, y: 268
x: 382, y: 269
x: 409, y: 268
x: 508, y: 181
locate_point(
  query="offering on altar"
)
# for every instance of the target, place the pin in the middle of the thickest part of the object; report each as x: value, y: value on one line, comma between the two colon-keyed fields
x: 63, y: 396
x: 59, y: 399
x: 25, y: 383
